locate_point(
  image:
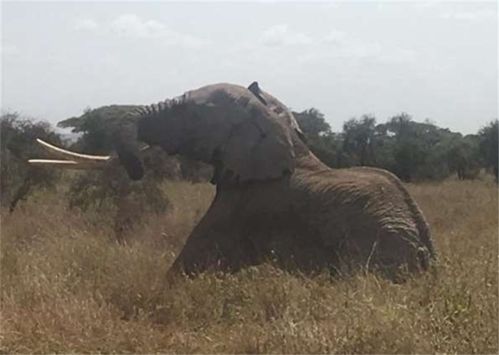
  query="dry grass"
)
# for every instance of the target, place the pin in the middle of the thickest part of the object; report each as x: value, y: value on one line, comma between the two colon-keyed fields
x: 67, y: 287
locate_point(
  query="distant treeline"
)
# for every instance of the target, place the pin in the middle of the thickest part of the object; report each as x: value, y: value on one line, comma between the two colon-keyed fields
x: 412, y: 150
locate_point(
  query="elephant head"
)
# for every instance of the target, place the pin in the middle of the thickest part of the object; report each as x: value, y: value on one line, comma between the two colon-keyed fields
x: 244, y: 133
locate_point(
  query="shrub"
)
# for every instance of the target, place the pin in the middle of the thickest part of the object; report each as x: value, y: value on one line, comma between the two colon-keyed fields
x: 17, y: 144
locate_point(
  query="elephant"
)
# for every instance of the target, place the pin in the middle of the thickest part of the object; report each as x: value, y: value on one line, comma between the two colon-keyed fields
x: 275, y: 200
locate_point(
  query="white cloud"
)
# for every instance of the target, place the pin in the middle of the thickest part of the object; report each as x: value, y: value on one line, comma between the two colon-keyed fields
x: 335, y: 37
x: 129, y: 25
x: 281, y: 35
x: 132, y: 26
x: 85, y: 24
x: 424, y: 4
x: 469, y: 15
x: 332, y: 44
x: 8, y: 49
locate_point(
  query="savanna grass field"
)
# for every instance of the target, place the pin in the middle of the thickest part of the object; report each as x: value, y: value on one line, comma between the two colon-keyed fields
x: 69, y: 287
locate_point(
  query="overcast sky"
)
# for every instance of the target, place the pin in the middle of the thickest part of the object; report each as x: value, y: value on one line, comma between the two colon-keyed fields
x: 432, y: 60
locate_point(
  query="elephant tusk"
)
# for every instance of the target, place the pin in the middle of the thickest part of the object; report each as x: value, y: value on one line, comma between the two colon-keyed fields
x: 71, y: 164
x: 74, y: 161
x: 144, y: 148
x: 77, y: 156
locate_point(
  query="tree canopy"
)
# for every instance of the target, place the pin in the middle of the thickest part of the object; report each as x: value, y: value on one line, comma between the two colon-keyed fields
x: 412, y: 150
x: 17, y: 144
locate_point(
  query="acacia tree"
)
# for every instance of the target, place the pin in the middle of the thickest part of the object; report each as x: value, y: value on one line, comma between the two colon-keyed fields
x: 17, y: 144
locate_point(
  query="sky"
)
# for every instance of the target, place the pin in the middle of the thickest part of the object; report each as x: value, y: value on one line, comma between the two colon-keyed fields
x: 432, y: 60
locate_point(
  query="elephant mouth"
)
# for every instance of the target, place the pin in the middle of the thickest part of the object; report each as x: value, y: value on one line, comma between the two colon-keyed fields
x: 71, y: 159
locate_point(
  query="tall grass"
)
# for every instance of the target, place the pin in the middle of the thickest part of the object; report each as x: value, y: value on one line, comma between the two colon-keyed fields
x: 68, y: 287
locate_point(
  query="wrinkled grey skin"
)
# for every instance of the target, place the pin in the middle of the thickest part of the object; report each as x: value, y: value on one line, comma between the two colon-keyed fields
x: 274, y: 199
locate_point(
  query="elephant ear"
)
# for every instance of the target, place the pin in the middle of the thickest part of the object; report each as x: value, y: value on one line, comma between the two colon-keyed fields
x: 259, y: 148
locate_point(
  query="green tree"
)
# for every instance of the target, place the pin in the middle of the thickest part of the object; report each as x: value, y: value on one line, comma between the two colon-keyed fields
x: 312, y: 122
x: 325, y: 144
x: 488, y: 146
x: 130, y: 200
x: 407, y: 151
x: 462, y: 156
x: 358, y: 139
x: 413, y: 150
x: 17, y: 144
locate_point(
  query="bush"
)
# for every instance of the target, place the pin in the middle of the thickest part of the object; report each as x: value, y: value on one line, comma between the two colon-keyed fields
x: 17, y: 144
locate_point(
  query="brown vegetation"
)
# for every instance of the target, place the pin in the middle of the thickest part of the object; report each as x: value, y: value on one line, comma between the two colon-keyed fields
x: 67, y: 286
